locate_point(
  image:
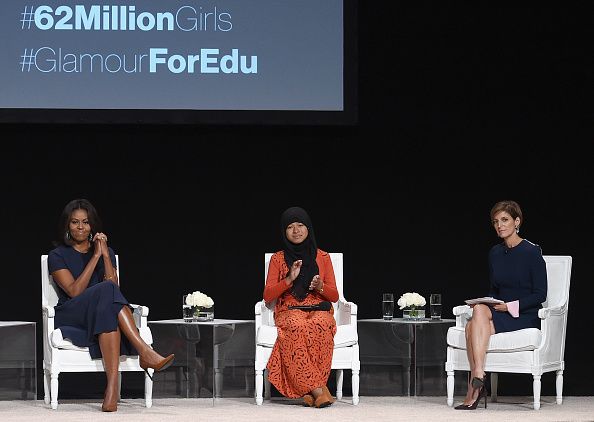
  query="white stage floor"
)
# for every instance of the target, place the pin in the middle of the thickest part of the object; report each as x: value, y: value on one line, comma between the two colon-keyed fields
x: 508, y: 409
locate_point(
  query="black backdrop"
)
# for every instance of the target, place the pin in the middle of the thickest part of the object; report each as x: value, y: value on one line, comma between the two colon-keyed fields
x: 458, y: 108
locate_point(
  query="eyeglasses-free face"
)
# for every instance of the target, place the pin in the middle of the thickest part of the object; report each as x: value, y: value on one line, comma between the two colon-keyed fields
x: 504, y: 224
x: 296, y: 232
x: 79, y: 226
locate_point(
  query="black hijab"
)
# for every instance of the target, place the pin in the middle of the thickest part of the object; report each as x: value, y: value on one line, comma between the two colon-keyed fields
x: 306, y: 251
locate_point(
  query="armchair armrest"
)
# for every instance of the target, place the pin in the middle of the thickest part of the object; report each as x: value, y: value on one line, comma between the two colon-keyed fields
x: 48, y: 317
x: 462, y: 313
x: 258, y: 307
x: 264, y: 313
x: 346, y: 312
x: 462, y: 309
x: 140, y: 315
x: 48, y: 311
x: 551, y: 312
x: 141, y: 310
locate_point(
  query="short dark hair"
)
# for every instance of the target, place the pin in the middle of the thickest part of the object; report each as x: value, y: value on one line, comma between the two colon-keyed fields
x: 510, y: 207
x: 77, y: 204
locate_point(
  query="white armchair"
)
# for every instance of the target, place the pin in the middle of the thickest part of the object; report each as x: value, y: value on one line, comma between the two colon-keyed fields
x: 60, y: 355
x: 528, y: 351
x: 346, y: 341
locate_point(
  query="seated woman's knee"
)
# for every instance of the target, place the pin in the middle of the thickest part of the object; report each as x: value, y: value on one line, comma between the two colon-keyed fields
x: 480, y: 311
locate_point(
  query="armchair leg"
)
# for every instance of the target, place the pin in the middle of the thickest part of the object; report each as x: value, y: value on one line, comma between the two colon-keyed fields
x: 355, y: 382
x: 536, y: 388
x: 559, y: 386
x: 46, y: 386
x: 259, y: 386
x: 494, y: 380
x: 54, y: 390
x: 148, y: 388
x: 339, y: 378
x: 450, y: 387
x: 268, y: 389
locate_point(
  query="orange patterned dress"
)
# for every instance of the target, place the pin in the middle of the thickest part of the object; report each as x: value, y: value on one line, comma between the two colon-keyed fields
x: 302, y: 355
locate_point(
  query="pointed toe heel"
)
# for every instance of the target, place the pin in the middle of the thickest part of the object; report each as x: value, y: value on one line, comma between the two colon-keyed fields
x: 161, y: 365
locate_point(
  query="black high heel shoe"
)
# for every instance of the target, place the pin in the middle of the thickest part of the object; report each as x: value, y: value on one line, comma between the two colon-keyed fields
x: 480, y: 384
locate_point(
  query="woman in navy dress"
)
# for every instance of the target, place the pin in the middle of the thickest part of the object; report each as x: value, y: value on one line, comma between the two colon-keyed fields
x: 518, y: 277
x: 91, y: 310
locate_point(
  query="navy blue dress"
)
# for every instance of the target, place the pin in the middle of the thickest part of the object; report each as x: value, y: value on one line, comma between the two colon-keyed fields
x: 94, y: 311
x: 518, y: 273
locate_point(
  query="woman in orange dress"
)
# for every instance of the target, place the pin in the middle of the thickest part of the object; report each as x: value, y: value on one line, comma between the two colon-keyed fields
x: 301, y: 274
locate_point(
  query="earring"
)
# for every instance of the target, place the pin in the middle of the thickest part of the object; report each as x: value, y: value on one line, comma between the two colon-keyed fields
x: 90, y: 237
x: 517, y: 229
x: 68, y: 235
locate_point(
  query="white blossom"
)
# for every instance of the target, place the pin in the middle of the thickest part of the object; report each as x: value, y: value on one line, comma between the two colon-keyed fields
x: 198, y: 298
x: 411, y: 299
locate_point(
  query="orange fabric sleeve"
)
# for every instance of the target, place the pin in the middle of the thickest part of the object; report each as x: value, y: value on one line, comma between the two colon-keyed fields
x: 275, y: 281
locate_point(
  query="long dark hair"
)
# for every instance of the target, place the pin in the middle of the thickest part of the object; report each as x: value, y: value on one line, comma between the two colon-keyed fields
x: 64, y: 224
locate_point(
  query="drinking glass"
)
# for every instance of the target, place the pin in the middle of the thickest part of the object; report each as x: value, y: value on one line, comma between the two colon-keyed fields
x: 187, y: 310
x: 388, y: 306
x: 435, y: 305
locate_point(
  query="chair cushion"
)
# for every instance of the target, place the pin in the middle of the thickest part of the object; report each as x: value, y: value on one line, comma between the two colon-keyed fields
x: 59, y: 342
x: 346, y: 335
x: 513, y: 341
x: 266, y: 336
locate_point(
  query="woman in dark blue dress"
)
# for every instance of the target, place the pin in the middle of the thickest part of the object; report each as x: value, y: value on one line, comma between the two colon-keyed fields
x: 91, y: 310
x: 518, y: 277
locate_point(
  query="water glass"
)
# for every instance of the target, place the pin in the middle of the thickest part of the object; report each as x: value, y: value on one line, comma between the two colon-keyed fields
x: 388, y: 306
x: 187, y: 310
x: 435, y: 305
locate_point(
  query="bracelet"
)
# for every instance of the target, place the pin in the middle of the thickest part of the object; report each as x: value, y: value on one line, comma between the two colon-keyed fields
x: 105, y: 277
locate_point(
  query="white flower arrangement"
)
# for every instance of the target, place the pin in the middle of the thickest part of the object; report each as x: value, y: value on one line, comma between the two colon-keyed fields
x: 411, y: 300
x: 198, y: 298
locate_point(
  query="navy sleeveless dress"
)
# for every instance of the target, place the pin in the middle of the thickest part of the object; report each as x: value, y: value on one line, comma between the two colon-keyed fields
x: 94, y: 311
x: 518, y: 273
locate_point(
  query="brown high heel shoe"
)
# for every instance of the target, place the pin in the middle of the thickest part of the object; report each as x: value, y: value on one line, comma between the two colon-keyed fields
x: 325, y: 389
x: 308, y: 400
x: 155, y: 361
x: 324, y: 399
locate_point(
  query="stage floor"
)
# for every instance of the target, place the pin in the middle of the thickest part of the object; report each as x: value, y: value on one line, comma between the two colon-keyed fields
x: 244, y: 409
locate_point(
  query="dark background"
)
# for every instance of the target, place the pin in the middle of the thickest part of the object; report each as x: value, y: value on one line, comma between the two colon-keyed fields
x: 458, y: 108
